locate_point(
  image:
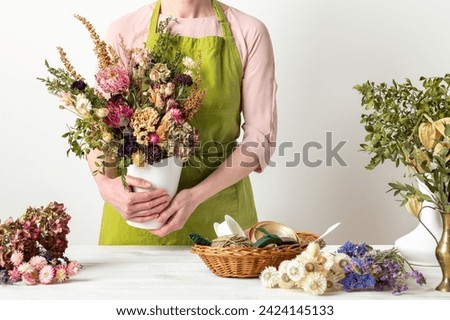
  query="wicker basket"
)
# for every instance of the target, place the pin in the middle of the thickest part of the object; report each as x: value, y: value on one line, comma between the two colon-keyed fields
x: 250, y: 262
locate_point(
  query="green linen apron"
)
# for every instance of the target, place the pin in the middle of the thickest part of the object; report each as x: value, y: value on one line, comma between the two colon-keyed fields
x: 218, y: 123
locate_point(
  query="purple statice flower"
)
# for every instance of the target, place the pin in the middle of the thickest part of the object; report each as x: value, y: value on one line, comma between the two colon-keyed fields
x: 356, y: 281
x: 354, y: 250
x: 348, y: 248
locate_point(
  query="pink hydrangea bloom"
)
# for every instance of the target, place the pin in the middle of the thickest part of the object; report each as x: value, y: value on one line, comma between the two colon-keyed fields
x: 113, y: 80
x: 17, y: 258
x: 177, y: 115
x: 119, y: 114
x: 72, y: 268
x: 38, y: 262
x: 153, y: 138
x: 46, y: 274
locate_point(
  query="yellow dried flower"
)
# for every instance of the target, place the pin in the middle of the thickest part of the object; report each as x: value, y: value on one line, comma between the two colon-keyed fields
x: 102, y: 51
x: 428, y: 135
x: 139, y: 159
x: 164, y: 128
x: 145, y: 120
x: 68, y: 65
x: 414, y: 206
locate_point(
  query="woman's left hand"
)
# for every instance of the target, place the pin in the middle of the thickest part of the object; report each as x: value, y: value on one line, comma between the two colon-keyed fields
x: 177, y: 213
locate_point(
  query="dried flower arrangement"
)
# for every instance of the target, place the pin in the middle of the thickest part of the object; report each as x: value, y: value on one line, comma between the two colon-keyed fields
x: 32, y: 247
x: 352, y: 267
x: 139, y: 110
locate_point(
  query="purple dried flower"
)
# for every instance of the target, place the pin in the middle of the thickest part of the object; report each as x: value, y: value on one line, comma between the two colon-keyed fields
x: 78, y: 84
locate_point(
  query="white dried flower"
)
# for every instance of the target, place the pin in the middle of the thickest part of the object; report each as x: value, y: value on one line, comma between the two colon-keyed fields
x: 269, y: 277
x: 295, y: 270
x: 102, y: 112
x: 285, y: 282
x: 326, y: 260
x: 188, y: 63
x: 315, y: 283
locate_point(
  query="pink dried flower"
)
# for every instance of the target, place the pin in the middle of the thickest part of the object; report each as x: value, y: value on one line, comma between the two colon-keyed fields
x: 177, y: 115
x: 119, y: 114
x: 61, y: 274
x: 17, y: 258
x: 171, y: 103
x: 153, y: 138
x: 72, y: 268
x: 30, y: 278
x: 46, y: 274
x: 113, y: 80
x: 25, y: 268
x: 14, y: 274
x: 38, y: 262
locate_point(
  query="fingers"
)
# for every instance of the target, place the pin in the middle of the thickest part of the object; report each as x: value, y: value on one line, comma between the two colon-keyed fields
x: 137, y: 197
x: 156, y: 205
x: 138, y: 182
x: 144, y: 218
x: 167, y: 213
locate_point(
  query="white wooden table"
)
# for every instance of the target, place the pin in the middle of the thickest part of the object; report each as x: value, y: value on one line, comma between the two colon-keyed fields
x: 118, y: 276
x: 161, y: 273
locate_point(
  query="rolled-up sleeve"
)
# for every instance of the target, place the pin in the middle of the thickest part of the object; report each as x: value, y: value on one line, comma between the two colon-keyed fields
x: 259, y: 89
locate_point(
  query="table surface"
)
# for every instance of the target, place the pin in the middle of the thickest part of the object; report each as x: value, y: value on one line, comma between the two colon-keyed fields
x: 161, y: 273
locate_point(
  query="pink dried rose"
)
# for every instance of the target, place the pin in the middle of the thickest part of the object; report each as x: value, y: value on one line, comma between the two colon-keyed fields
x: 113, y: 80
x: 46, y: 274
x: 119, y: 114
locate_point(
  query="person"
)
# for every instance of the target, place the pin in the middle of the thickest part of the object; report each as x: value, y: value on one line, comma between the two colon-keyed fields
x: 237, y: 55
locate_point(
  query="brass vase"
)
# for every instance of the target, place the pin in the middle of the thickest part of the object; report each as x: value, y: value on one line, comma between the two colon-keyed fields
x: 443, y: 253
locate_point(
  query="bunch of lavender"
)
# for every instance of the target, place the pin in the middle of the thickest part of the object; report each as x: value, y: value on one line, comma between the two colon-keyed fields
x: 378, y: 270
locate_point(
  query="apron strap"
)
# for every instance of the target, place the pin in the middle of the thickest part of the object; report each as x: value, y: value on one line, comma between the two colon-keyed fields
x: 225, y: 25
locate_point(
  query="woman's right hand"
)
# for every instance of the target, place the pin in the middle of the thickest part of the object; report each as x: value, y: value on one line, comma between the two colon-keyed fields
x: 135, y: 206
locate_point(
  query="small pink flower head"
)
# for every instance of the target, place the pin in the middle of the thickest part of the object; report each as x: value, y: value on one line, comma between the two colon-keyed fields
x: 14, y: 274
x: 46, y: 274
x: 30, y: 278
x: 171, y: 103
x: 25, y: 268
x: 153, y: 138
x: 17, y: 258
x: 72, y: 268
x: 177, y: 115
x: 119, y: 114
x: 38, y: 262
x: 113, y: 80
x: 61, y: 274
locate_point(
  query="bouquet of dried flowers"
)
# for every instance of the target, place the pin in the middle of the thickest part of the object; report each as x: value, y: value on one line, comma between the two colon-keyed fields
x: 32, y: 247
x: 352, y: 267
x: 138, y: 111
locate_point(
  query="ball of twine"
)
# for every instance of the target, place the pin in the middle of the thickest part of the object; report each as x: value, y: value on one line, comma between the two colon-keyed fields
x: 233, y: 241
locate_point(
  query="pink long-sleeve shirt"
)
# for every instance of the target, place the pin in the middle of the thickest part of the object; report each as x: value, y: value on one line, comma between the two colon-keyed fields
x: 255, y: 48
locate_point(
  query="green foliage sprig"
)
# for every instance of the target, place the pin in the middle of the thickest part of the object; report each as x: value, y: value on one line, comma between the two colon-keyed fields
x: 409, y: 125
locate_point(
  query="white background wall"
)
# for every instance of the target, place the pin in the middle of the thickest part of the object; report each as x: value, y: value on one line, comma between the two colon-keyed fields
x: 322, y: 49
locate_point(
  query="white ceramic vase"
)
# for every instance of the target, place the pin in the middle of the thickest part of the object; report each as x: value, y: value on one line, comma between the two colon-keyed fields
x: 418, y: 246
x: 163, y: 175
